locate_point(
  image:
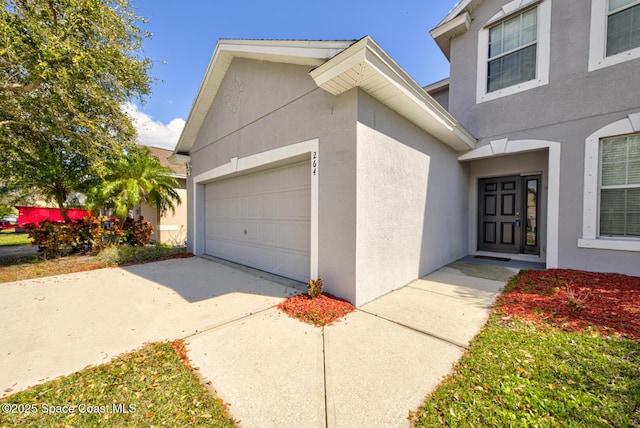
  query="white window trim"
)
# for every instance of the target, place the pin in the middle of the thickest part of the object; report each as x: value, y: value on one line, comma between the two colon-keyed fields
x: 543, y: 54
x: 598, y: 40
x: 590, y: 239
x: 257, y: 161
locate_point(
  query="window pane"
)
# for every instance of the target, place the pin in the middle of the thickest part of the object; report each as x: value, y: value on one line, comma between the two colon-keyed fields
x: 633, y: 172
x: 612, y: 212
x: 633, y: 212
x: 620, y: 212
x: 615, y: 4
x: 532, y: 212
x: 529, y: 26
x: 634, y: 147
x: 621, y: 161
x: 513, y: 33
x: 509, y: 70
x: 623, y: 30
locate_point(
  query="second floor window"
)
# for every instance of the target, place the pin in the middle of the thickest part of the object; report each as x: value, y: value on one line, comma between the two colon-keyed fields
x: 623, y: 26
x: 513, y: 50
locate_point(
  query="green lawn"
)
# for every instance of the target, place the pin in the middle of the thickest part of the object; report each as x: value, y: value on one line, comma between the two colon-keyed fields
x: 12, y: 239
x: 153, y: 386
x: 518, y: 375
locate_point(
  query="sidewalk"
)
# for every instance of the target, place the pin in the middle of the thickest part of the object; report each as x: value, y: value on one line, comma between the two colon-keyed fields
x: 369, y: 369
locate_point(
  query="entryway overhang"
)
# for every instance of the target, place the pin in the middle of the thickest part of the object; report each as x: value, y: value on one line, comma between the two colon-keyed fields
x: 504, y: 147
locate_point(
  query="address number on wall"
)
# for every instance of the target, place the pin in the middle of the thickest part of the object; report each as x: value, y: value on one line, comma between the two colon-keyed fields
x: 314, y: 163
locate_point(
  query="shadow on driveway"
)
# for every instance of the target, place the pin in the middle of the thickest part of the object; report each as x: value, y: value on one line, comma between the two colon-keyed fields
x: 197, y: 279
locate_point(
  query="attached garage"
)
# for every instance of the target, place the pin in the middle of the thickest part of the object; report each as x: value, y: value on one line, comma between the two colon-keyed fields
x: 262, y: 220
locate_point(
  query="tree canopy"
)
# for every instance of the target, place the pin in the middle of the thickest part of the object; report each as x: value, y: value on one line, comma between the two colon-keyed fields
x: 133, y: 178
x: 66, y: 69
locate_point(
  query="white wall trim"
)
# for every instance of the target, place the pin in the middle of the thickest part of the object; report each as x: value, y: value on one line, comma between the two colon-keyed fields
x: 169, y: 227
x: 598, y: 40
x: 238, y: 165
x: 543, y: 55
x: 505, y: 147
x: 629, y: 125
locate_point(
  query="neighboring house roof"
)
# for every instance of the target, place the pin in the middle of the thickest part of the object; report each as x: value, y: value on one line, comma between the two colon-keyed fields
x: 163, y: 155
x: 339, y: 67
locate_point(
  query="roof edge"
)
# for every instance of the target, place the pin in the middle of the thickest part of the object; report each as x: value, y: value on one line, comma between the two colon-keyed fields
x: 348, y: 70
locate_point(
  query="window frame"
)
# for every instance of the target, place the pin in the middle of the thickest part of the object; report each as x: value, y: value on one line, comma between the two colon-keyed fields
x: 602, y: 187
x: 591, y: 195
x: 598, y: 58
x: 543, y: 49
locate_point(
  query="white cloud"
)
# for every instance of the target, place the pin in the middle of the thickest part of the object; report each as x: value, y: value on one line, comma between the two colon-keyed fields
x: 152, y: 132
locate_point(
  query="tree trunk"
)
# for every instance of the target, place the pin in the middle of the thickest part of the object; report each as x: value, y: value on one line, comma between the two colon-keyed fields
x: 63, y: 209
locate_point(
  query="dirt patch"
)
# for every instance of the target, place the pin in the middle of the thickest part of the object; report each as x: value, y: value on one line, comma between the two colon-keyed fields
x: 37, y: 268
x: 575, y: 300
x: 322, y: 310
x: 478, y: 270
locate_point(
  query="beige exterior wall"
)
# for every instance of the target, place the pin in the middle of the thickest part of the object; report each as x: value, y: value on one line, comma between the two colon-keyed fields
x: 411, y: 202
x: 171, y: 228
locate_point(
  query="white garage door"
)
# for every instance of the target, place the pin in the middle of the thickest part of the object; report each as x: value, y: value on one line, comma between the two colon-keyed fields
x: 262, y: 220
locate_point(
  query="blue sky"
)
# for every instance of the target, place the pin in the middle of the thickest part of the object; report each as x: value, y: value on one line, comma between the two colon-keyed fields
x: 185, y: 33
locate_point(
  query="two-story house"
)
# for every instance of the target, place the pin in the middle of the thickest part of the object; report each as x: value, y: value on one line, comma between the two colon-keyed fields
x: 551, y: 90
x: 326, y: 158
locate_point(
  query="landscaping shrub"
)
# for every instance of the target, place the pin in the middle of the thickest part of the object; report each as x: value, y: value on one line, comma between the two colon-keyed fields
x: 90, y: 234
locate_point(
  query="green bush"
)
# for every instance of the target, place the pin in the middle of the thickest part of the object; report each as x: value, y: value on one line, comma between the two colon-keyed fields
x: 88, y: 235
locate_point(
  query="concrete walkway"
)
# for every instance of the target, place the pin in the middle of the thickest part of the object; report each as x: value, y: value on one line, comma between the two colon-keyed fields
x: 370, y: 369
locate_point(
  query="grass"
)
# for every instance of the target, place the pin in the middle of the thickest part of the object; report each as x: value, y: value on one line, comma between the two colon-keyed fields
x: 11, y: 239
x: 16, y: 268
x: 153, y: 386
x: 518, y: 374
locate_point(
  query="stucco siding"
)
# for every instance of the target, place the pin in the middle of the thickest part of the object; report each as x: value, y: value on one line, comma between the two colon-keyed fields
x: 411, y: 202
x: 572, y: 92
x: 568, y: 109
x: 280, y: 106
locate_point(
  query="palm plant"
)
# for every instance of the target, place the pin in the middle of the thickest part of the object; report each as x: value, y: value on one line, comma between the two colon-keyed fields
x: 136, y: 176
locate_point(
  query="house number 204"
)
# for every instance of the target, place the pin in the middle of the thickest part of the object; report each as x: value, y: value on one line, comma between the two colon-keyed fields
x: 314, y: 163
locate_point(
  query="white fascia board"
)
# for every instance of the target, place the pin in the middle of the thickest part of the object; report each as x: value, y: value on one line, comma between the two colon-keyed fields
x: 303, y: 52
x: 365, y: 56
x: 341, y: 63
x: 178, y: 159
x: 455, y: 11
x: 444, y: 33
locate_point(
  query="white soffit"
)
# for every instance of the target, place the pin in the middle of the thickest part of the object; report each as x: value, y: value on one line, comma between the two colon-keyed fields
x: 367, y: 66
x: 299, y: 52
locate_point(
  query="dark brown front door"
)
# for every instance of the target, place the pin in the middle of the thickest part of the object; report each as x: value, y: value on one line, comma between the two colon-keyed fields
x: 508, y: 214
x: 499, y: 223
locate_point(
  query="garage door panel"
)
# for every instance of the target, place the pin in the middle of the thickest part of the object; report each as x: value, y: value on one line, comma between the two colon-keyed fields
x: 262, y: 220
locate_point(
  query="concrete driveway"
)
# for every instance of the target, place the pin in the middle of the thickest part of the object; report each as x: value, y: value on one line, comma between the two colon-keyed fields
x: 368, y: 370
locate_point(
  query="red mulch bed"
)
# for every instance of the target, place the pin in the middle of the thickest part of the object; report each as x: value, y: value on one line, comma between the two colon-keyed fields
x: 607, y: 302
x: 322, y: 310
